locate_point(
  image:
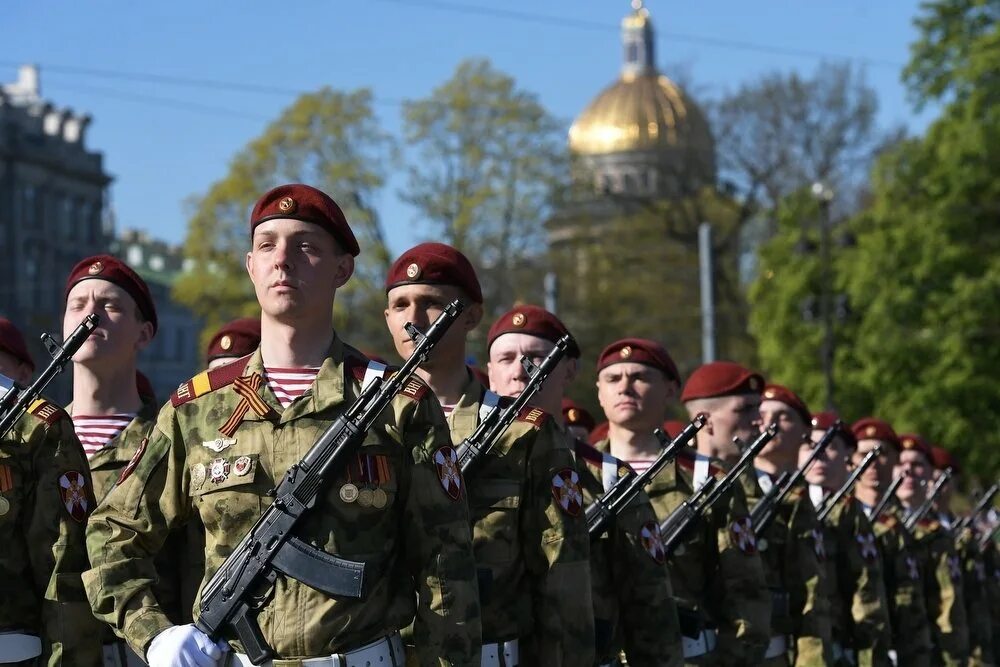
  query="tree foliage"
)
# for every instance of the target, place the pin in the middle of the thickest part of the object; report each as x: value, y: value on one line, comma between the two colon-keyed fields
x: 329, y: 139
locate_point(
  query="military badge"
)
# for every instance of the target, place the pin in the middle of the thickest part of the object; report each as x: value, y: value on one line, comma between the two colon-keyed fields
x: 133, y: 462
x: 412, y: 271
x: 518, y: 320
x: 365, y: 497
x: 218, y: 444
x: 287, y: 205
x: 911, y: 568
x: 819, y: 545
x: 4, y: 505
x: 218, y: 471
x: 653, y: 542
x: 625, y: 352
x: 446, y: 462
x: 871, y: 431
x: 198, y: 475
x: 349, y: 493
x: 743, y: 535
x: 242, y: 465
x: 954, y: 569
x: 6, y: 478
x: 566, y: 491
x: 379, y: 499
x: 74, y: 499
x: 866, y: 545
x: 226, y: 342
x: 95, y: 268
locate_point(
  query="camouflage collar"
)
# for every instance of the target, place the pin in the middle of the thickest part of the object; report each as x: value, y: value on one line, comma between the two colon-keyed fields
x: 464, y: 417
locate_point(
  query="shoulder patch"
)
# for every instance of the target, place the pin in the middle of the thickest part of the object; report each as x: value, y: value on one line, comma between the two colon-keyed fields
x: 532, y: 415
x: 47, y: 411
x: 209, y: 381
x: 887, y: 520
x: 414, y: 388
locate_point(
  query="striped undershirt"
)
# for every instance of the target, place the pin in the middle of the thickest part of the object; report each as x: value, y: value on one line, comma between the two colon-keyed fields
x: 448, y: 409
x: 641, y: 465
x: 95, y: 432
x: 290, y: 383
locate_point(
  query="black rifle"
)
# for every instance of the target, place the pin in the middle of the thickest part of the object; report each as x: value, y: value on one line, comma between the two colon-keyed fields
x: 831, y: 501
x: 915, y: 517
x: 675, y: 527
x: 244, y: 582
x: 607, y: 507
x: 984, y: 502
x: 987, y: 537
x: 890, y: 493
x: 766, y: 509
x: 486, y: 435
x: 61, y: 355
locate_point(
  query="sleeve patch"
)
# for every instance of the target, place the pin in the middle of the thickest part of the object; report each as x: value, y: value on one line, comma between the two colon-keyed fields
x: 653, y: 542
x: 743, y: 535
x: 73, y: 495
x: 46, y: 411
x: 566, y: 491
x: 532, y: 416
x: 446, y: 463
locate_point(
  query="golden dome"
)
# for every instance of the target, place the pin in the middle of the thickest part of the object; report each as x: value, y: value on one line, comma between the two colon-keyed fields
x: 641, y: 112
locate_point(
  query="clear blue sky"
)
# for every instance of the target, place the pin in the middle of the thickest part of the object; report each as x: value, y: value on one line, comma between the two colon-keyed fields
x: 165, y: 142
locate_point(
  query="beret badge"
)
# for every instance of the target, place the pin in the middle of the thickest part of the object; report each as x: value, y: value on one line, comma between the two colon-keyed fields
x: 95, y: 268
x: 518, y: 320
x: 908, y: 443
x: 572, y: 414
x: 287, y: 205
x: 412, y: 271
x: 769, y: 393
x: 625, y: 352
x: 226, y: 343
x: 871, y: 431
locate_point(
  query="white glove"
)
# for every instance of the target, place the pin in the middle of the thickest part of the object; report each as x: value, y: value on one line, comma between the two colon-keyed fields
x: 184, y: 646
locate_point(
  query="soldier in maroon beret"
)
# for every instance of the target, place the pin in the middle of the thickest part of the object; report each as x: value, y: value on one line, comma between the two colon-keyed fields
x: 14, y: 353
x: 869, y: 433
x: 578, y: 420
x: 234, y: 340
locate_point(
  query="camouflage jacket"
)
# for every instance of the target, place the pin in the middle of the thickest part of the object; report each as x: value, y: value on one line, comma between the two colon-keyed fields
x: 991, y: 559
x: 911, y: 634
x: 218, y: 449
x: 794, y: 552
x: 855, y: 584
x: 977, y: 598
x: 716, y: 574
x: 45, y: 498
x: 634, y: 607
x: 531, y: 545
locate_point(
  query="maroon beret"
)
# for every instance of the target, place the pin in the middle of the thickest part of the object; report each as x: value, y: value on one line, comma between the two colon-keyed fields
x: 871, y: 428
x: 576, y: 415
x: 144, y: 387
x: 304, y: 202
x: 777, y: 392
x: 943, y: 459
x: 235, y: 339
x: 914, y: 441
x: 821, y: 421
x: 673, y: 428
x: 598, y: 433
x: 721, y: 378
x: 639, y: 351
x: 534, y: 321
x: 12, y: 342
x: 435, y: 264
x: 113, y: 270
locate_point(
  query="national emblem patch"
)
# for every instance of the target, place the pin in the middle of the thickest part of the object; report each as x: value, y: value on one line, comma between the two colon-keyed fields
x: 73, y: 496
x: 911, y: 568
x: 866, y: 545
x: 566, y: 491
x: 819, y: 545
x: 954, y: 569
x: 653, y: 542
x: 446, y: 463
x: 743, y: 535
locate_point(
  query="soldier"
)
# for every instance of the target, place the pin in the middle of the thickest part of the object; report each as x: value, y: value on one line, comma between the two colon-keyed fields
x: 940, y: 566
x: 234, y: 340
x: 716, y: 575
x: 227, y: 438
x: 792, y: 546
x: 45, y: 497
x: 531, y: 554
x: 854, y: 579
x: 579, y: 422
x: 634, y: 611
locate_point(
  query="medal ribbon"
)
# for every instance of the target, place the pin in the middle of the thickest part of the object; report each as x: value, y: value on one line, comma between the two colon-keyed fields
x: 249, y: 400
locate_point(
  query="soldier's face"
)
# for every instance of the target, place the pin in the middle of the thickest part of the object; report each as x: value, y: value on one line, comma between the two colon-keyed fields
x: 879, y: 474
x: 296, y: 268
x: 120, y: 333
x: 508, y: 377
x: 830, y: 468
x: 731, y: 417
x: 914, y: 465
x: 421, y: 305
x: 792, y: 429
x: 634, y: 395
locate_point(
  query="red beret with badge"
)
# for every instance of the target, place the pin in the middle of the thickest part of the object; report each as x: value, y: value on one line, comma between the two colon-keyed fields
x: 943, y: 459
x: 235, y: 339
x: 117, y: 272
x: 12, y: 342
x: 308, y: 204
x: 721, y: 378
x: 871, y: 428
x: 782, y: 394
x: 639, y: 351
x: 821, y: 421
x: 435, y: 264
x: 534, y: 321
x: 577, y: 415
x: 916, y: 442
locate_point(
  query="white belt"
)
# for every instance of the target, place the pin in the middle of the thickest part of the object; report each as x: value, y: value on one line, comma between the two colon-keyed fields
x: 492, y: 653
x: 386, y: 652
x: 17, y: 646
x: 120, y: 654
x: 700, y: 645
x: 776, y: 647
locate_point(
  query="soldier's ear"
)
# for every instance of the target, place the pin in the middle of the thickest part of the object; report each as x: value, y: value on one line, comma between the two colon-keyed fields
x: 472, y: 315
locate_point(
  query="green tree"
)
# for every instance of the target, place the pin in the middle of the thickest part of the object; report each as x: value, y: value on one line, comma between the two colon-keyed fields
x: 486, y: 158
x: 329, y: 139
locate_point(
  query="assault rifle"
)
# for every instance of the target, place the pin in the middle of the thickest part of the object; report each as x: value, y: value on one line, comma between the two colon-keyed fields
x: 763, y: 514
x: 61, y: 355
x: 244, y: 583
x: 890, y: 493
x: 985, y: 501
x: 831, y: 501
x: 607, y: 507
x: 676, y: 526
x: 915, y: 517
x: 498, y: 420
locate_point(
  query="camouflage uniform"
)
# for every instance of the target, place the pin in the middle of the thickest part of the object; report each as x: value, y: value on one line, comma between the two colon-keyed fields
x: 992, y: 562
x: 716, y: 575
x: 532, y: 554
x: 793, y: 551
x: 855, y: 586
x: 45, y: 496
x: 977, y: 600
x: 634, y: 608
x: 911, y: 634
x: 416, y: 545
x: 942, y: 575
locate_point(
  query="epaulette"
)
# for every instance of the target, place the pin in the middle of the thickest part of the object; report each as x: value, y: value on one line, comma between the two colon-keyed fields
x: 887, y: 520
x: 532, y: 415
x: 930, y: 525
x: 798, y: 492
x: 47, y: 411
x: 686, y: 460
x: 415, y: 388
x: 209, y: 381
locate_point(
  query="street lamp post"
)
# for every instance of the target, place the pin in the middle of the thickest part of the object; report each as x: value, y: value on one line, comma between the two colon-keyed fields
x: 824, y: 195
